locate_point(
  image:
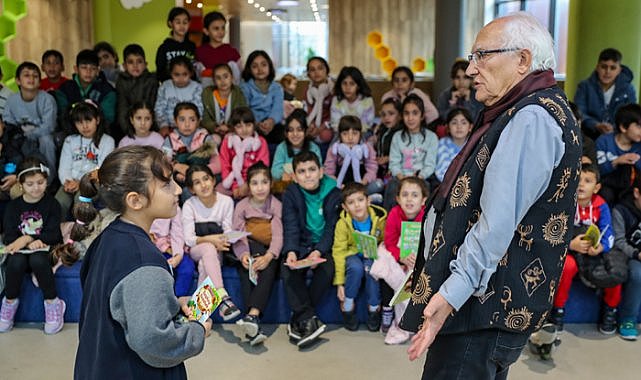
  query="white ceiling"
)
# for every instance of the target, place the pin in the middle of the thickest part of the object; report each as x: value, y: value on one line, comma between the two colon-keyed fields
x: 302, y: 11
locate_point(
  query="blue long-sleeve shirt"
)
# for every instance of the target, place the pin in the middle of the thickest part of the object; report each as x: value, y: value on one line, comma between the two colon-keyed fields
x: 264, y: 105
x: 607, y: 151
x: 519, y: 171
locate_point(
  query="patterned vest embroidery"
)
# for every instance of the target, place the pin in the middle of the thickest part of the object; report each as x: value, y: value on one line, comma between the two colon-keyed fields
x: 520, y: 292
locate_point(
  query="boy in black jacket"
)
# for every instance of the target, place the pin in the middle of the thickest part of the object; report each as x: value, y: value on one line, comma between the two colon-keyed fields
x: 310, y: 210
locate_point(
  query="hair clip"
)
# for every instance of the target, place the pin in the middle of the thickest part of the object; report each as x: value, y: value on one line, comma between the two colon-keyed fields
x: 42, y: 168
x: 80, y: 222
x: 85, y: 199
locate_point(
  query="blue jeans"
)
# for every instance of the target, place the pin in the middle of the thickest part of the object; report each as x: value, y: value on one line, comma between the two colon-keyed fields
x: 183, y: 275
x: 631, y: 301
x: 357, y: 267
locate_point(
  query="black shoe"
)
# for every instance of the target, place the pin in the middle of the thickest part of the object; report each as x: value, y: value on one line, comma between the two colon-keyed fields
x: 313, y: 329
x: 608, y: 325
x: 556, y: 318
x: 294, y: 331
x: 256, y: 339
x: 350, y: 320
x: 374, y: 320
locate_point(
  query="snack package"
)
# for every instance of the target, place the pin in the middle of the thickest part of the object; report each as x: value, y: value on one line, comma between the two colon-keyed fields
x: 205, y: 300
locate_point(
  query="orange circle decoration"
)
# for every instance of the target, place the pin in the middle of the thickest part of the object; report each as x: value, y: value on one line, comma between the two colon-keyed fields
x: 419, y: 65
x: 388, y: 65
x: 381, y: 52
x: 374, y: 38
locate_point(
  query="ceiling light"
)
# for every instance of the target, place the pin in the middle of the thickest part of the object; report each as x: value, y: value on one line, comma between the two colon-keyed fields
x: 199, y: 5
x: 256, y: 5
x: 268, y: 13
x: 188, y: 1
x: 287, y: 3
x: 262, y: 9
x: 250, y: 1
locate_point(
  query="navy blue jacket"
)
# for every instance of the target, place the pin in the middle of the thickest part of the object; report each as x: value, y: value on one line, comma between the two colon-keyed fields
x: 589, y: 99
x: 297, y: 237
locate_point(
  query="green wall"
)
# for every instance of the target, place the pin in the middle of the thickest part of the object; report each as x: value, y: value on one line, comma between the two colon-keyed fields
x: 146, y: 26
x: 598, y: 24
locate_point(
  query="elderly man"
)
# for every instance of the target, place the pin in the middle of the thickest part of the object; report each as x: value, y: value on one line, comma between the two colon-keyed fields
x: 496, y: 233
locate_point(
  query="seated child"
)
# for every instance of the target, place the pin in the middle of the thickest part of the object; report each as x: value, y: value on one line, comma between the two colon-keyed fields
x: 590, y: 209
x: 86, y: 84
x: 31, y: 222
x: 618, y: 153
x: 82, y: 152
x: 30, y: 117
x: 141, y: 127
x: 351, y: 159
x: 352, y: 96
x: 167, y: 235
x: 206, y: 218
x: 52, y: 65
x: 189, y: 144
x: 134, y: 85
x: 179, y: 89
x: 110, y: 69
x: 296, y: 141
x: 459, y: 126
x: 627, y: 238
x: 318, y: 99
x: 382, y: 138
x: 260, y: 214
x: 390, y: 267
x: 351, y: 266
x: 239, y: 150
x: 178, y: 42
x: 310, y: 211
x: 220, y: 100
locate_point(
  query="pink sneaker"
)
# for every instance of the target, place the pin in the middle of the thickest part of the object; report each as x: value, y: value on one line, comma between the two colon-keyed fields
x: 396, y: 335
x: 54, y: 316
x: 7, y: 314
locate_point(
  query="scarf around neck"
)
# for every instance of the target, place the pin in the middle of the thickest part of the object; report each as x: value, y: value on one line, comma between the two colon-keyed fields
x: 534, y: 81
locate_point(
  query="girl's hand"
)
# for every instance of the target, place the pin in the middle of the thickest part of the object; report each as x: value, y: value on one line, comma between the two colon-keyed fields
x: 340, y: 293
x: 595, y: 251
x: 223, y: 128
x: 244, y: 260
x: 220, y: 242
x: 291, y: 259
x: 579, y: 245
x: 7, y: 182
x: 315, y: 255
x: 409, y: 261
x: 241, y: 191
x: 175, y: 260
x: 313, y: 130
x: 36, y: 244
x: 18, y: 244
x: 261, y: 262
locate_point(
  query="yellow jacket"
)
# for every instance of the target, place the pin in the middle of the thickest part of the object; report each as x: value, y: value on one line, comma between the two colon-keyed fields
x: 344, y: 244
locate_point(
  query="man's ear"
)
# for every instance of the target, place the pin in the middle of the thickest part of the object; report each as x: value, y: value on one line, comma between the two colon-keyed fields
x: 525, y: 61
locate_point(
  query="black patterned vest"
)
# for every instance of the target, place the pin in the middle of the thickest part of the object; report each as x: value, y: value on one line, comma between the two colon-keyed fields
x: 520, y: 292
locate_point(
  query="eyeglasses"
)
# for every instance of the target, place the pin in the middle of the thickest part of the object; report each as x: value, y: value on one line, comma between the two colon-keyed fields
x: 479, y: 55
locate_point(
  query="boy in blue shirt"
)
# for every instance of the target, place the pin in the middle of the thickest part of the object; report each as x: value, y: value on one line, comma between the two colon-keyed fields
x: 310, y: 212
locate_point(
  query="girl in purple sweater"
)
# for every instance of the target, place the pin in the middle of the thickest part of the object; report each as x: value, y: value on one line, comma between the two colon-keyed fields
x: 259, y: 214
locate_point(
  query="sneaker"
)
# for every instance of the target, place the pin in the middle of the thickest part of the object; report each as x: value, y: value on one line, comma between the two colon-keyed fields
x: 54, y: 316
x: 608, y: 325
x: 228, y: 309
x: 256, y: 339
x: 628, y: 330
x: 249, y: 324
x: 396, y: 335
x: 374, y: 320
x: 387, y: 316
x: 7, y: 314
x: 350, y: 320
x: 556, y: 318
x: 293, y: 331
x: 313, y: 329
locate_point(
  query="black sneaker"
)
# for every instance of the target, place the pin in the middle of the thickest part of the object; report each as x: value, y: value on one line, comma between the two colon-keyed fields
x: 228, y: 310
x: 374, y: 320
x: 313, y: 328
x: 293, y: 331
x: 350, y: 320
x: 556, y: 318
x: 386, y: 319
x: 608, y: 325
x: 249, y: 324
x: 256, y: 339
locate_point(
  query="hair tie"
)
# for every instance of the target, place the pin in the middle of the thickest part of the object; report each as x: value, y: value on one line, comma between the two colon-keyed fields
x: 85, y: 199
x: 69, y: 241
x: 80, y: 222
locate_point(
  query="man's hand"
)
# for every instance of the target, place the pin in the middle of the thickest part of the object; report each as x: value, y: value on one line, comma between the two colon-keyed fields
x: 435, y: 313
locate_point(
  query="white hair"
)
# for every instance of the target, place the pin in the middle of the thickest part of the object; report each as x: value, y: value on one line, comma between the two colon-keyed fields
x: 522, y: 30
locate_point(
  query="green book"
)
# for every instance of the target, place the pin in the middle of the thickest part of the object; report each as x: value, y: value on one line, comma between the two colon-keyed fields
x: 404, y: 292
x: 410, y: 236
x: 593, y: 235
x: 366, y: 244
